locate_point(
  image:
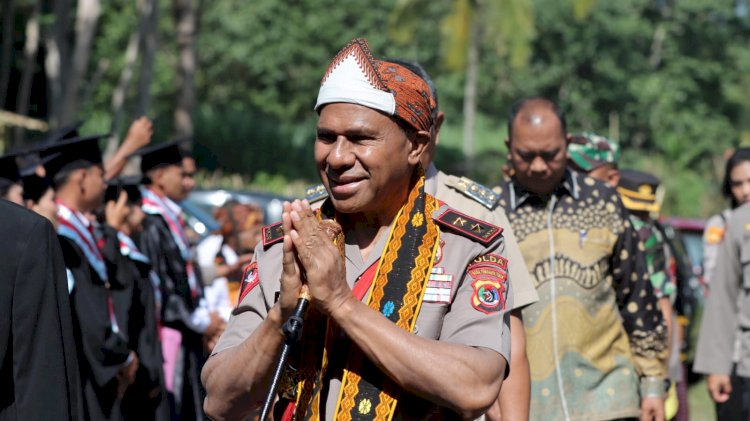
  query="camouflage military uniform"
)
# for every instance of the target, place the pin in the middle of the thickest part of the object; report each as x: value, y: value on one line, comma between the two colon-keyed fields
x: 588, y: 150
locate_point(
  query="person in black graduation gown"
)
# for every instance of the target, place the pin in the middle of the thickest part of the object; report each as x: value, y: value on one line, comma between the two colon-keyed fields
x: 182, y: 307
x: 106, y: 363
x: 38, y: 365
x: 11, y: 188
x: 136, y: 307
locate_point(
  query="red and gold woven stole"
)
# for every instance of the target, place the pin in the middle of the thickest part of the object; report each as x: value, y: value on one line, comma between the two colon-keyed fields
x: 396, y: 292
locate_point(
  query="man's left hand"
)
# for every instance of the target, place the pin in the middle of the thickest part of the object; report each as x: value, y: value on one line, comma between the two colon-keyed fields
x: 652, y: 409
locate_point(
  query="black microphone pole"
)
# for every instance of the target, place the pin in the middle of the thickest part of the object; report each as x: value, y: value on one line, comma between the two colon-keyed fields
x: 292, y: 334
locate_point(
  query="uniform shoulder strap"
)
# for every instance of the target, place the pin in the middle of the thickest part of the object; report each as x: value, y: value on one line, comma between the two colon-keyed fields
x: 272, y: 234
x: 477, y: 192
x: 475, y: 229
x: 316, y: 193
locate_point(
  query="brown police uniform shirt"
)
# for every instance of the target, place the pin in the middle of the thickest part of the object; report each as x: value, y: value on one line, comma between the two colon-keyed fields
x: 453, y: 309
x: 448, y: 189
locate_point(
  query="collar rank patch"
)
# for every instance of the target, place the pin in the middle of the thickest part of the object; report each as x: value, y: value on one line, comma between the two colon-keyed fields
x: 250, y: 280
x: 479, y: 230
x: 272, y: 234
x: 481, y: 194
x: 489, y: 273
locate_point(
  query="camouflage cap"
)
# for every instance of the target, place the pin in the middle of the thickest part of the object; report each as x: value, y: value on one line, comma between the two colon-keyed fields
x: 589, y: 151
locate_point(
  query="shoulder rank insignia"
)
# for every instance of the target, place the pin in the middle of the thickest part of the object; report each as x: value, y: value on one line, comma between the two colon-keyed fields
x: 272, y: 234
x: 476, y: 229
x: 484, y: 195
x: 316, y: 193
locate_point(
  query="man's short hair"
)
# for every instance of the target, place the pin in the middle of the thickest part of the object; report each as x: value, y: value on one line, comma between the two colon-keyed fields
x: 61, y: 178
x: 519, y: 105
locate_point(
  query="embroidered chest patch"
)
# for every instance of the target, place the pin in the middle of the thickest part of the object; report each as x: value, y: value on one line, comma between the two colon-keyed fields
x: 439, y: 287
x: 250, y: 280
x: 489, y: 274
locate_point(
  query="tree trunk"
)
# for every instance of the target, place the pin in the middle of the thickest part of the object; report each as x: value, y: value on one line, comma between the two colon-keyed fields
x: 86, y: 19
x: 118, y: 96
x: 57, y: 59
x: 185, y: 22
x: 470, y: 94
x: 148, y: 30
x: 9, y: 14
x: 30, y: 50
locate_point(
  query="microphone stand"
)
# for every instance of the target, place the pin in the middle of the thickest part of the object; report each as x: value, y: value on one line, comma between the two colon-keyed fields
x: 292, y: 334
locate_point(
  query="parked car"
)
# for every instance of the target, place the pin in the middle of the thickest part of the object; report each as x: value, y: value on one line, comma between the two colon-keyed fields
x: 200, y: 204
x: 685, y: 239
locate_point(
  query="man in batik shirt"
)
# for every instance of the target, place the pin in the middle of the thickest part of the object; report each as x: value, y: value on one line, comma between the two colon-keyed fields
x: 596, y: 334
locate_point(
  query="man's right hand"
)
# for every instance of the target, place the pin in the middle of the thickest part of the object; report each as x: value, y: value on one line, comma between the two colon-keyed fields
x: 291, y: 278
x: 720, y: 387
x: 139, y: 133
x: 116, y: 212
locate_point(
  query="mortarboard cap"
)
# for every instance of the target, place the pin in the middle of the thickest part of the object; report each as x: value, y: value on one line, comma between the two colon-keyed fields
x: 129, y: 184
x: 71, y: 154
x: 9, y: 173
x: 34, y: 185
x: 161, y: 155
x: 639, y: 191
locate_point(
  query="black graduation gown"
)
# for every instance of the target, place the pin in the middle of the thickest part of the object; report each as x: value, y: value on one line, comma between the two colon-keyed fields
x: 186, y: 402
x: 101, y: 351
x: 135, y: 306
x: 38, y: 365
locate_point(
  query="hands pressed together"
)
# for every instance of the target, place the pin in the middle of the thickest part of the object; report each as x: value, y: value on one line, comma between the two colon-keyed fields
x: 312, y: 260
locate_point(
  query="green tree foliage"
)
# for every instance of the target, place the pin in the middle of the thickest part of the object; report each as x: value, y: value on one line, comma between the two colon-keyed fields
x: 669, y: 79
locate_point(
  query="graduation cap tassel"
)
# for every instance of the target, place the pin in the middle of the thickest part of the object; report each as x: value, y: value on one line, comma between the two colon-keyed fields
x: 292, y: 334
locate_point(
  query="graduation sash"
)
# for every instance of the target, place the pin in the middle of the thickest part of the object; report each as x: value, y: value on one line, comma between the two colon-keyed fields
x: 396, y: 292
x: 72, y: 226
x: 153, y: 204
x: 129, y: 249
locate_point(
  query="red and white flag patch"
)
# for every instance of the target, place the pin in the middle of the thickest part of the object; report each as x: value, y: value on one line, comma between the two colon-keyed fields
x: 250, y: 280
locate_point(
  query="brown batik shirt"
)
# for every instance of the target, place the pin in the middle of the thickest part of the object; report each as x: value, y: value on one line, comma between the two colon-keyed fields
x: 597, y: 326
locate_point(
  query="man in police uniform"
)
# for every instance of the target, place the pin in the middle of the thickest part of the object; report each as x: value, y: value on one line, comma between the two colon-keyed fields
x: 420, y: 268
x: 727, y: 314
x: 472, y: 198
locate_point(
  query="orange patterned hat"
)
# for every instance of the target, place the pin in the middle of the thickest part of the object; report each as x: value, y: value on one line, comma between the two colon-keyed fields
x: 355, y: 77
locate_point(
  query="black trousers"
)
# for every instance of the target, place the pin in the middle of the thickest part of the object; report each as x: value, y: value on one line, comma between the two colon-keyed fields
x: 737, y: 408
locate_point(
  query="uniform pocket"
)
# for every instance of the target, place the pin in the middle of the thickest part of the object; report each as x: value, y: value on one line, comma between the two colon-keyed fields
x: 430, y: 320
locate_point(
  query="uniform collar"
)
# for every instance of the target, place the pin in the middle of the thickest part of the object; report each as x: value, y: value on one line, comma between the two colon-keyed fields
x: 430, y: 179
x: 569, y: 186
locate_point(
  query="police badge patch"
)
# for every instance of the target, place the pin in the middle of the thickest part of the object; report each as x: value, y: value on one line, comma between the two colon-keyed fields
x: 250, y: 280
x: 489, y: 273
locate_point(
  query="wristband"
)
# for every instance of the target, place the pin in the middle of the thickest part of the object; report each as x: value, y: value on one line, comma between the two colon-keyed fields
x: 652, y: 387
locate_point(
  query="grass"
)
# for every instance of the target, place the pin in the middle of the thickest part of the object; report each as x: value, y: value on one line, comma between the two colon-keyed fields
x: 701, y: 405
